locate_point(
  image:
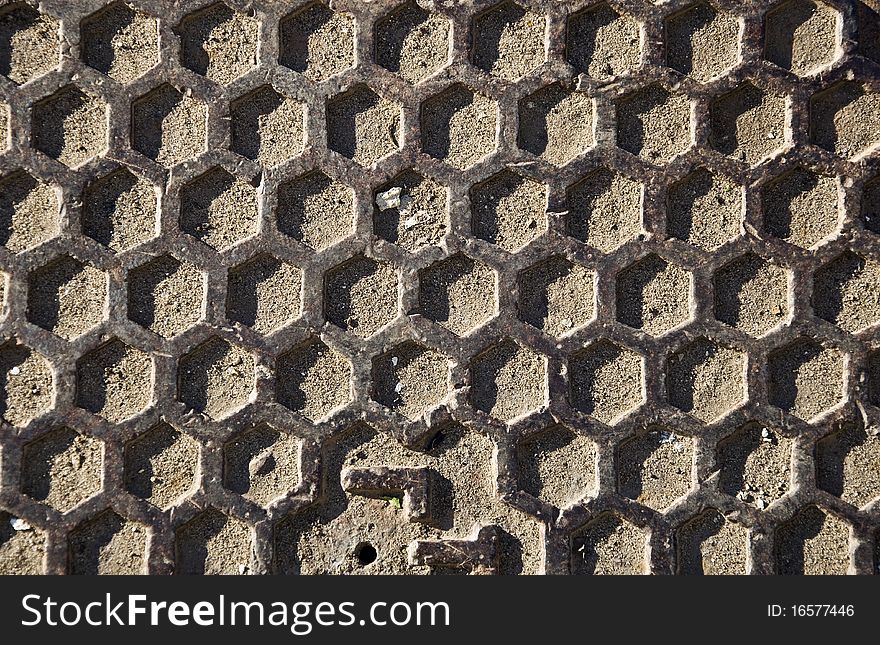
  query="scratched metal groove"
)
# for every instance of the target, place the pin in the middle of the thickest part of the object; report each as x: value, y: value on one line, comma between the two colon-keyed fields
x: 557, y: 526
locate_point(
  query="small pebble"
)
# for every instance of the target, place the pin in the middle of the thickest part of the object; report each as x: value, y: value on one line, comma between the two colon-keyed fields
x: 19, y: 524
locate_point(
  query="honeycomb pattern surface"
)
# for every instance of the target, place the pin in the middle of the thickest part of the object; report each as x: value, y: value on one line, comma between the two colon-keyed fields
x: 363, y: 287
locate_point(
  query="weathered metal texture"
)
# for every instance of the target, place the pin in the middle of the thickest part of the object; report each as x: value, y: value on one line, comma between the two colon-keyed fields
x: 558, y: 525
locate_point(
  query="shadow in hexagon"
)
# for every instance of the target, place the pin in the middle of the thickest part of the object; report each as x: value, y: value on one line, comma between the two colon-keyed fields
x: 107, y: 545
x: 557, y: 296
x: 119, y: 210
x: 653, y: 295
x: 458, y: 293
x: 261, y: 464
x: 806, y: 378
x: 747, y: 123
x: 706, y: 379
x: 654, y: 124
x: 702, y: 42
x: 556, y: 124
x: 218, y: 209
x: 61, y: 468
x: 704, y: 210
x: 709, y: 544
x: 812, y: 542
x: 846, y: 292
x: 606, y: 381
x: 28, y: 212
x: 216, y: 378
x: 267, y: 126
x: 801, y: 35
x: 313, y: 380
x: 801, y: 207
x: 317, y: 42
x: 605, y: 209
x: 315, y: 210
x: 558, y: 466
x: 410, y: 379
x: 21, y: 552
x: 168, y: 126
x: 508, y: 381
x: 161, y: 465
x: 166, y: 296
x: 363, y: 126
x: 26, y: 384
x: 509, y: 210
x: 845, y: 119
x: 70, y: 126
x: 751, y: 294
x: 120, y: 42
x: 458, y: 126
x: 847, y: 463
x: 508, y: 41
x: 213, y: 543
x: 67, y: 297
x: 412, y: 42
x: 755, y: 464
x: 411, y: 211
x: 264, y: 293
x: 602, y: 43
x: 218, y: 42
x: 114, y: 381
x: 29, y: 45
x: 608, y: 545
x: 654, y: 468
x: 361, y: 295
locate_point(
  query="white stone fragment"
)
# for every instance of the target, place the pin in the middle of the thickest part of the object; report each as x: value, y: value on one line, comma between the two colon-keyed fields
x: 389, y: 199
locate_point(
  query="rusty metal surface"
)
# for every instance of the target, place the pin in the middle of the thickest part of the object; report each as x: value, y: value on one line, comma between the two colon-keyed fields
x: 478, y: 550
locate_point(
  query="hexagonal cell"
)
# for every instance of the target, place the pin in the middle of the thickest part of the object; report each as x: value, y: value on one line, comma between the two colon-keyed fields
x: 605, y: 209
x: 608, y: 545
x: 412, y: 42
x: 654, y: 124
x: 114, y: 381
x: 169, y: 126
x: 108, y: 545
x: 601, y: 42
x: 317, y: 42
x: 751, y: 294
x: 267, y: 126
x: 747, y: 123
x: 161, y: 465
x: 166, y: 296
x: 606, y: 381
x: 868, y: 21
x: 801, y: 207
x: 214, y: 544
x: 653, y: 295
x: 706, y: 380
x: 806, y: 378
x: 70, y: 126
x: 62, y: 468
x: 458, y: 126
x: 845, y: 119
x: 119, y: 210
x: 508, y: 381
x: 218, y: 209
x: 846, y: 292
x: 711, y: 545
x: 508, y: 41
x: 411, y: 211
x: 29, y: 44
x: 801, y: 36
x: 216, y: 378
x: 261, y: 464
x: 557, y: 296
x: 313, y: 380
x: 67, y: 297
x: 509, y: 210
x: 813, y: 542
x: 315, y: 210
x: 264, y: 293
x: 410, y: 379
x: 755, y: 464
x: 363, y: 126
x: 848, y: 464
x: 120, y: 41
x: 558, y: 466
x: 26, y: 384
x: 654, y: 468
x: 21, y: 548
x: 705, y: 210
x: 556, y: 124
x: 871, y: 205
x: 458, y: 293
x: 28, y: 212
x: 219, y: 43
x: 702, y: 42
x: 361, y: 295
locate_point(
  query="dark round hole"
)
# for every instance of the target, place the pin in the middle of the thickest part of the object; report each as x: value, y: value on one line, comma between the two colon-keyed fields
x: 366, y: 554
